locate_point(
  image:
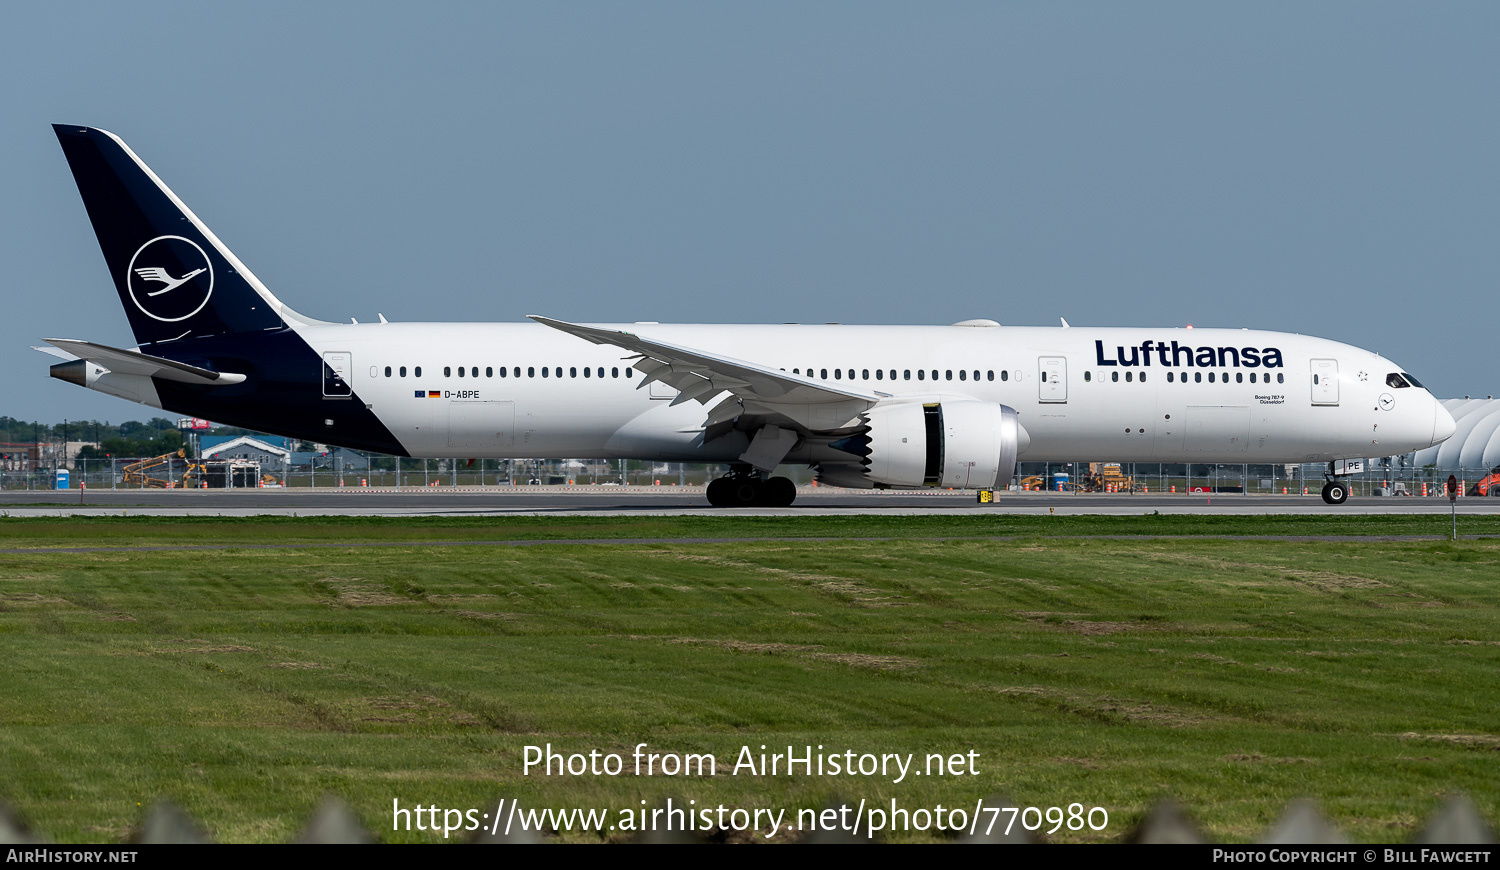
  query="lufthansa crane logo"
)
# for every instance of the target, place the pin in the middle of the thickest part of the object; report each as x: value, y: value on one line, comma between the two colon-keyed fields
x: 170, y: 278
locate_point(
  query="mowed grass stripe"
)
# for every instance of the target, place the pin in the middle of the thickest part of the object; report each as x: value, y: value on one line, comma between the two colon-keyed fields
x: 1232, y: 675
x: 135, y: 532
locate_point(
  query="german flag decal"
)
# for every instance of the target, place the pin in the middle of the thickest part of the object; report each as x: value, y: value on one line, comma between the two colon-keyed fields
x: 434, y: 394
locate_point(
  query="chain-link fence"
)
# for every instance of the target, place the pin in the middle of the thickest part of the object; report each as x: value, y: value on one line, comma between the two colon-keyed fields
x: 351, y: 469
x: 346, y: 470
x: 1246, y: 478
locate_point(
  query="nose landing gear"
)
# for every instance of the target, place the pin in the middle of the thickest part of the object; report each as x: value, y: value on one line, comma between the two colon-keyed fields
x: 1335, y: 491
x: 746, y: 488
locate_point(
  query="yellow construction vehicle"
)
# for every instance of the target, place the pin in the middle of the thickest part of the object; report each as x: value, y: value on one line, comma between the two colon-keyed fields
x: 1107, y: 477
x: 156, y: 472
x: 148, y: 473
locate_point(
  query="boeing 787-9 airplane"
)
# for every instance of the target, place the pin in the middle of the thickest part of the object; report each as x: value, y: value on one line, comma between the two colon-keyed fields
x: 866, y: 406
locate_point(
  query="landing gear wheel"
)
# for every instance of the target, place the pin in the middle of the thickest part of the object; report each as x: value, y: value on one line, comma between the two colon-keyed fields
x: 778, y: 492
x: 721, y: 492
x: 746, y: 491
x: 1335, y: 492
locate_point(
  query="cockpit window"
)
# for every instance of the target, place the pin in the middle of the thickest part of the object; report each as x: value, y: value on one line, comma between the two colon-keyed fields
x: 1413, y: 381
x: 1394, y: 379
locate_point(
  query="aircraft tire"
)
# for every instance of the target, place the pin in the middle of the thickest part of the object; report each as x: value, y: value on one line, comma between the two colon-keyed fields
x: 1335, y: 492
x: 721, y: 492
x: 778, y: 492
x: 746, y: 492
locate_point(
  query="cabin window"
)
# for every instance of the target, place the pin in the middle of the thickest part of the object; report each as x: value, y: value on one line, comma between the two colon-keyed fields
x: 908, y: 375
x: 1143, y: 377
x: 460, y: 371
x: 614, y: 372
x: 934, y: 374
x: 1197, y: 377
x: 837, y: 373
x: 417, y: 372
x: 629, y: 372
x: 572, y: 372
x: 921, y: 374
x: 387, y: 371
x: 1114, y: 376
x: 489, y: 371
x: 516, y: 371
x: 1211, y: 377
x: 948, y: 373
x: 402, y: 371
x: 1088, y: 376
x: 502, y: 371
x: 824, y: 374
x: 880, y: 374
x: 447, y: 371
x: 544, y: 371
x: 1005, y: 374
x: 865, y: 373
x: 1239, y: 377
x: 989, y: 375
x: 1129, y: 376
x: 586, y: 371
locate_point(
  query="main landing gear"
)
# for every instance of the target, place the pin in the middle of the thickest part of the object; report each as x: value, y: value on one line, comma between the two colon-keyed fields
x: 746, y: 488
x: 1335, y: 491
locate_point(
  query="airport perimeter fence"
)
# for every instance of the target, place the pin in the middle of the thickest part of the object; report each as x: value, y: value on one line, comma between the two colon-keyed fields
x: 1252, y: 479
x: 1456, y: 822
x: 382, y: 472
x: 386, y: 472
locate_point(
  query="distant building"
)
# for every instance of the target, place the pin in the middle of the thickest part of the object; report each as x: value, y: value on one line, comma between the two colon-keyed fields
x: 1476, y: 439
x: 266, y: 450
x: 31, y: 455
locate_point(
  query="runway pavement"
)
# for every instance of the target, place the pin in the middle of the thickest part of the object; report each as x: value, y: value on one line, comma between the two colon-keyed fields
x: 681, y: 501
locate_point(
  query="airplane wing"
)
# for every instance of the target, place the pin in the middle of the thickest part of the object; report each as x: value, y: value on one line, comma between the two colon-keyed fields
x: 133, y: 362
x: 701, y: 375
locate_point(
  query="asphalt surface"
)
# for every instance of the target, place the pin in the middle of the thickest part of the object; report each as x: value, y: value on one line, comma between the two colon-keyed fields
x: 686, y: 501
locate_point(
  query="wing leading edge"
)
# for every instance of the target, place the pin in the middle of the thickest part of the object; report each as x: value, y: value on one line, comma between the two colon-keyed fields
x: 752, y: 389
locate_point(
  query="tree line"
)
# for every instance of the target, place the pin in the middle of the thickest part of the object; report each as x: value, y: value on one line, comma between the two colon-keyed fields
x: 152, y: 437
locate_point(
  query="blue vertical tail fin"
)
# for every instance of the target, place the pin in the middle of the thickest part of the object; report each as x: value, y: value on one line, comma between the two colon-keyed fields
x: 175, y: 278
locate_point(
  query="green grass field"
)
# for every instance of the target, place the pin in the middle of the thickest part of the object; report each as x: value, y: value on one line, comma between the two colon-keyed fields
x: 1232, y: 675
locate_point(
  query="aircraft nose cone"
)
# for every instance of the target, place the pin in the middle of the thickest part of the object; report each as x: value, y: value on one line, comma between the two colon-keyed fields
x: 1442, y: 424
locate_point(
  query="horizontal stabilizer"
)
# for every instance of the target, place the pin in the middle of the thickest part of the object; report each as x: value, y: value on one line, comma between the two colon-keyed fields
x: 133, y: 362
x: 57, y: 352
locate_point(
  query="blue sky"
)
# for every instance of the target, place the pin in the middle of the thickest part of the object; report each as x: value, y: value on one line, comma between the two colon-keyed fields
x: 1324, y: 168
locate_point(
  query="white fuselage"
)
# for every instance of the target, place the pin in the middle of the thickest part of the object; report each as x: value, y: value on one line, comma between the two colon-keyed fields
x: 1123, y: 394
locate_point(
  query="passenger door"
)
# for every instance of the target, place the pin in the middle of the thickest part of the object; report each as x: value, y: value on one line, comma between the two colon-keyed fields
x: 337, y: 366
x: 1325, y: 382
x: 1053, y: 386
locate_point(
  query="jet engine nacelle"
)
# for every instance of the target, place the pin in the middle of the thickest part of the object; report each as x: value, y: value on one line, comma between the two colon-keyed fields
x: 959, y: 443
